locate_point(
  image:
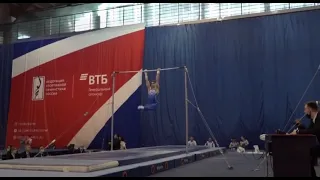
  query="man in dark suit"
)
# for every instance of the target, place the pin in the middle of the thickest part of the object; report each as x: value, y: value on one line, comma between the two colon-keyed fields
x: 116, y: 142
x: 13, y: 154
x: 311, y: 111
x: 27, y: 152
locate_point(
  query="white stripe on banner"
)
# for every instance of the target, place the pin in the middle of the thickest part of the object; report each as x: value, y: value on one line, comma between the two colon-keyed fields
x: 94, y: 125
x: 66, y: 46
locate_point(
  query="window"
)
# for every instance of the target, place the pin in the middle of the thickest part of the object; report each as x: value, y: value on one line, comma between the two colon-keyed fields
x: 51, y: 26
x: 189, y: 12
x: 111, y: 14
x: 67, y: 24
x: 169, y: 13
x: 23, y: 36
x: 1, y: 37
x: 301, y: 5
x: 23, y: 30
x: 102, y: 13
x: 210, y: 10
x: 115, y: 17
x: 278, y: 6
x: 250, y: 8
x: 104, y: 6
x: 230, y: 9
x: 83, y: 22
x: 103, y: 18
x: 132, y: 14
x: 151, y: 14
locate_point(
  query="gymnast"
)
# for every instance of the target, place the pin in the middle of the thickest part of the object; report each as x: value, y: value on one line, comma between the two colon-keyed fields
x: 153, y: 91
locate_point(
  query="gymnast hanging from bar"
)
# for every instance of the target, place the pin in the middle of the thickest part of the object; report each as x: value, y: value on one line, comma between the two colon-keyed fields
x: 153, y: 91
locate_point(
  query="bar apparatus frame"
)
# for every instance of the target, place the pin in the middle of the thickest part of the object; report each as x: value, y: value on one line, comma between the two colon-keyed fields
x: 114, y: 74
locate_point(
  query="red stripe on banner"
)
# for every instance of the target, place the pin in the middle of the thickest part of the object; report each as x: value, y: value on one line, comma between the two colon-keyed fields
x: 56, y: 99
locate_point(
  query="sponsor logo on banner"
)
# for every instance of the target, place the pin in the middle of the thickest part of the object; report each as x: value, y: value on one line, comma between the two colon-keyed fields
x: 38, y: 88
x: 55, y: 86
x: 94, y: 80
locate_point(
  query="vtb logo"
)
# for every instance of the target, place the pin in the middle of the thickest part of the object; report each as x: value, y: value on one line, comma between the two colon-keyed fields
x: 94, y: 79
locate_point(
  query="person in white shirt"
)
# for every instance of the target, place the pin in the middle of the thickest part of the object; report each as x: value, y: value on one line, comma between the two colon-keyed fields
x: 210, y: 143
x: 244, y: 142
x: 122, y: 143
x: 192, y: 142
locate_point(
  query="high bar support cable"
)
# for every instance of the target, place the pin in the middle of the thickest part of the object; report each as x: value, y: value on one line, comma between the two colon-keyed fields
x: 205, y: 121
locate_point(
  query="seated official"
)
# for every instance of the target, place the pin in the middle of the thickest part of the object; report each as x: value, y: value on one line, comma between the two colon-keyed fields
x: 210, y: 143
x: 116, y: 143
x: 81, y: 149
x: 71, y: 148
x: 27, y: 152
x: 311, y: 111
x: 244, y: 142
x: 123, y: 145
x: 8, y: 152
x: 13, y: 154
x: 192, y: 142
x: 233, y: 144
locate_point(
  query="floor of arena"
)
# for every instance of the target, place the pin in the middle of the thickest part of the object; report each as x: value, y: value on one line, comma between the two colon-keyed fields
x: 163, y: 161
x: 133, y: 162
x: 244, y: 165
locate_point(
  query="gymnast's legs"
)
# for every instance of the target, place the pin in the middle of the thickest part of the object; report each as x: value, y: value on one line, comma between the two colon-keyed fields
x: 148, y: 107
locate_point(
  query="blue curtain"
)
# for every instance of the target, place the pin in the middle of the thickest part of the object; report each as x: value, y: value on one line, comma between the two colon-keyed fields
x: 247, y: 74
x: 5, y: 79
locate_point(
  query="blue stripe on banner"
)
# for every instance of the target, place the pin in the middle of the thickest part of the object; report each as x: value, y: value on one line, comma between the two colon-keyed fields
x: 126, y: 124
x: 22, y: 48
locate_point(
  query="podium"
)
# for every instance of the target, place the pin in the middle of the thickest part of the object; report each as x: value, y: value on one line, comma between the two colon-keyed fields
x: 290, y: 154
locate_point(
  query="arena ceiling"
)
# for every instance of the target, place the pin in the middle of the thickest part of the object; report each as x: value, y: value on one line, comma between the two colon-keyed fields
x: 17, y: 9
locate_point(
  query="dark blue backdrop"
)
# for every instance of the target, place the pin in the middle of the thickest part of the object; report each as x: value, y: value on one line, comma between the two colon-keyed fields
x: 6, y: 52
x: 248, y: 76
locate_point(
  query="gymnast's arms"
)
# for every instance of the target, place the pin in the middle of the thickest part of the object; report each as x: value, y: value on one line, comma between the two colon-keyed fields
x: 158, y: 77
x: 147, y: 80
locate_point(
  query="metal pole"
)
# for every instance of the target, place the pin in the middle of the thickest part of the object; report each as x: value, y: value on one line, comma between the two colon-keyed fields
x: 112, y: 107
x: 186, y: 105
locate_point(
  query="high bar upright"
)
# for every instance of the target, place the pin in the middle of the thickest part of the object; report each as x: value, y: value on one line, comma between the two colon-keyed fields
x: 151, y: 70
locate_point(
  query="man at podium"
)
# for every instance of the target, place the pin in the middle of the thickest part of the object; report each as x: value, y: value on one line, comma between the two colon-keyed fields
x: 311, y: 111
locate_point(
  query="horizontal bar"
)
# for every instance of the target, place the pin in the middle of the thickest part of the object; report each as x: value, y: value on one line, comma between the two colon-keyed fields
x: 151, y: 70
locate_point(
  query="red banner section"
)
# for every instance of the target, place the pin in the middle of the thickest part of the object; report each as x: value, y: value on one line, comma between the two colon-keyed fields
x: 58, y: 88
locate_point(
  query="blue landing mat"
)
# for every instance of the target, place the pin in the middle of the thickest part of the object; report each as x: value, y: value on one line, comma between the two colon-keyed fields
x: 142, y: 169
x: 132, y: 156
